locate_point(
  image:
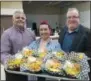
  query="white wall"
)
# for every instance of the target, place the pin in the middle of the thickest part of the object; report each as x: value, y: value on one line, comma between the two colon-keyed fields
x: 85, y: 18
x: 84, y: 8
x: 9, y: 7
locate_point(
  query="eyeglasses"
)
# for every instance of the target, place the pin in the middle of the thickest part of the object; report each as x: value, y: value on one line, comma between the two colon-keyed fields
x: 73, y: 17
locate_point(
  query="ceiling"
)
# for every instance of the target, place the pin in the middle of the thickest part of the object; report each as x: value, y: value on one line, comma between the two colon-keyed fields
x: 59, y: 4
x: 42, y: 6
x: 42, y: 3
x: 50, y: 3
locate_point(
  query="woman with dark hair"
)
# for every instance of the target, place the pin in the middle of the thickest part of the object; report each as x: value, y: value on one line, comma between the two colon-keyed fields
x: 45, y: 43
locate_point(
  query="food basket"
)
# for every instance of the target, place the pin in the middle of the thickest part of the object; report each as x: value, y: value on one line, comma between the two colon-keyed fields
x: 76, y: 66
x: 53, y: 66
x: 32, y: 65
x: 14, y: 62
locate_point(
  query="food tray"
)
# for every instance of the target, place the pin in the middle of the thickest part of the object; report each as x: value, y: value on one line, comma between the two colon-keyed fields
x: 42, y: 75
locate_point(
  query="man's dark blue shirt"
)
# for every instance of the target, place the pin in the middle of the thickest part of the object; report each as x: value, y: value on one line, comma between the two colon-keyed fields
x: 68, y: 38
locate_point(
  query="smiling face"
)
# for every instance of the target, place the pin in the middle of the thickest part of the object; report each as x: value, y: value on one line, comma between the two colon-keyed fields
x: 19, y: 20
x: 73, y: 19
x: 44, y: 31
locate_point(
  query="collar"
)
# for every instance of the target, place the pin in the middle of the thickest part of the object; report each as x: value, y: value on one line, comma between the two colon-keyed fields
x: 76, y: 30
x: 21, y: 30
x: 48, y: 41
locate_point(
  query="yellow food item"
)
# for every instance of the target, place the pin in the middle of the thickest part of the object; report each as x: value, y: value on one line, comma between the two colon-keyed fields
x: 17, y: 61
x: 53, y: 65
x: 14, y: 63
x: 81, y: 56
x: 27, y: 52
x: 60, y: 54
x: 35, y: 66
x: 42, y: 54
x: 73, y: 70
x: 54, y: 70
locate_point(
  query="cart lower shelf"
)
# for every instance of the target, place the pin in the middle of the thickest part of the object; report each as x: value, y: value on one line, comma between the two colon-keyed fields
x: 59, y: 78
